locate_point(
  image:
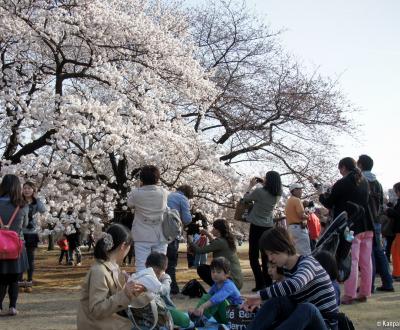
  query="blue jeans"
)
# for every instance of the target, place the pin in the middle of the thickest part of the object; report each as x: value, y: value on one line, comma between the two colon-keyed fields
x: 379, y: 261
x: 282, y: 314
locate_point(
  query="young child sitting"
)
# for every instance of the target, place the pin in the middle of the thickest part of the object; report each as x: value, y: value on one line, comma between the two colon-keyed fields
x: 222, y: 294
x: 165, y: 307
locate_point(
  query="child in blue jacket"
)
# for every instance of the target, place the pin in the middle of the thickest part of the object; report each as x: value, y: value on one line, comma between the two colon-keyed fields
x: 222, y: 294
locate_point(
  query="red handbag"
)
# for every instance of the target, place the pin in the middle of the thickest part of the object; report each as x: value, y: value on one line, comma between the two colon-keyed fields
x: 10, y: 243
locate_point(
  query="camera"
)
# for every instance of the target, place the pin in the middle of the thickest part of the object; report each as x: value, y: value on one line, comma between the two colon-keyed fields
x: 308, y: 204
x: 259, y: 180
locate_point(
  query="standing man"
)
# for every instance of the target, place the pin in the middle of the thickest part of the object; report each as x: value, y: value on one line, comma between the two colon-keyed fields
x: 375, y: 203
x: 296, y: 220
x: 179, y: 201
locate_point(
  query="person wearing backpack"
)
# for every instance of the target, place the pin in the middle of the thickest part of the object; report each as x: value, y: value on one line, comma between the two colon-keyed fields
x: 178, y: 200
x: 12, y: 203
x: 375, y: 202
x: 149, y: 202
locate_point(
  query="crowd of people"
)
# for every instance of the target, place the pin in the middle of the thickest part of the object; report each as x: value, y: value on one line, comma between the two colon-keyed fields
x: 296, y: 285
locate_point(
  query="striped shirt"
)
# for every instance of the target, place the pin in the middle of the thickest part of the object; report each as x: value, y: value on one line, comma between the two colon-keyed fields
x: 308, y: 282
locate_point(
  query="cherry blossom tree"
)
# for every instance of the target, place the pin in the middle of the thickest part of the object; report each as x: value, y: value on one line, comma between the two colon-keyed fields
x: 91, y: 90
x: 89, y: 94
x: 269, y: 109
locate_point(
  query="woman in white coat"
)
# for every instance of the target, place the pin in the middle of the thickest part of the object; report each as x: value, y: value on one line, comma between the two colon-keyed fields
x: 149, y: 202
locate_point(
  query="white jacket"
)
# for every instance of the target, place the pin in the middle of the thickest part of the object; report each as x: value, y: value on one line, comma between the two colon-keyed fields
x: 149, y: 203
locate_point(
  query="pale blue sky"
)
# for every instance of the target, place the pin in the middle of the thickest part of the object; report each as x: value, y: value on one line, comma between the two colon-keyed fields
x: 359, y: 41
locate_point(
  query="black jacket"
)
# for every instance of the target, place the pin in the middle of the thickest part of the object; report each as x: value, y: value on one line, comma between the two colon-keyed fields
x: 394, y: 213
x: 345, y: 190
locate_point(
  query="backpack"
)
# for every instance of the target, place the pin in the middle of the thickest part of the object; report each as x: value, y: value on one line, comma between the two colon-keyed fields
x: 10, y: 243
x: 153, y: 316
x: 344, y: 323
x: 375, y: 199
x: 171, y: 224
x: 193, y: 289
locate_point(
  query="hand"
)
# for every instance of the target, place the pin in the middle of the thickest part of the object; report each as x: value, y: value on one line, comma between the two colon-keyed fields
x: 251, y: 302
x: 199, y: 311
x: 133, y: 289
x: 204, y: 232
x: 253, y: 182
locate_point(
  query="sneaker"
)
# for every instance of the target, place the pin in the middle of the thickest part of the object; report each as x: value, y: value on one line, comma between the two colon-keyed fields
x: 382, y: 288
x: 361, y: 299
x: 12, y: 311
x: 21, y: 284
x: 78, y: 264
x: 346, y: 300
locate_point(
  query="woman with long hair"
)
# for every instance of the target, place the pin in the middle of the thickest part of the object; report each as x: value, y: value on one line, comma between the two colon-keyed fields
x: 31, y: 236
x: 261, y: 219
x: 352, y: 187
x: 104, y: 290
x: 12, y: 202
x: 222, y: 244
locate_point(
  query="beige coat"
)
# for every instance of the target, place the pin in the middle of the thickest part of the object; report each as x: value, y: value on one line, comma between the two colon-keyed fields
x: 103, y: 296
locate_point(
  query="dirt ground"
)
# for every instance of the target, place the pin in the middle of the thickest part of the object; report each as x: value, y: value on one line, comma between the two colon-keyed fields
x: 54, y: 300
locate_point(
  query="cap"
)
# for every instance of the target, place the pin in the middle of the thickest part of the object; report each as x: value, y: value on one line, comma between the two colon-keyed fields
x: 294, y: 186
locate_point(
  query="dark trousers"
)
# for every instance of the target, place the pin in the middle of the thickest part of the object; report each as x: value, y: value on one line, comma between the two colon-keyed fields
x: 30, y: 253
x: 172, y: 254
x: 260, y: 272
x: 204, y: 272
x: 388, y: 248
x: 313, y: 243
x: 77, y: 251
x: 10, y: 282
x: 62, y: 254
x: 380, y: 263
x: 281, y: 313
x: 130, y: 254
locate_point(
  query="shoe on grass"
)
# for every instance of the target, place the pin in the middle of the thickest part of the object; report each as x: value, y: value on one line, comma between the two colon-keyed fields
x: 12, y: 311
x: 383, y: 289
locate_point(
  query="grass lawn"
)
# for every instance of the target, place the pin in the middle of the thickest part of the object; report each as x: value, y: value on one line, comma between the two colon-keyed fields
x: 53, y: 302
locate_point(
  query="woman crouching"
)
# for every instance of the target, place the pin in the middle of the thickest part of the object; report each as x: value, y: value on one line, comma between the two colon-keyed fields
x: 304, y: 299
x: 104, y: 291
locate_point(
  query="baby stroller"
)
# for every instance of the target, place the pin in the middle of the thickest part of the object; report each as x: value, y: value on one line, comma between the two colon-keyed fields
x: 334, y: 241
